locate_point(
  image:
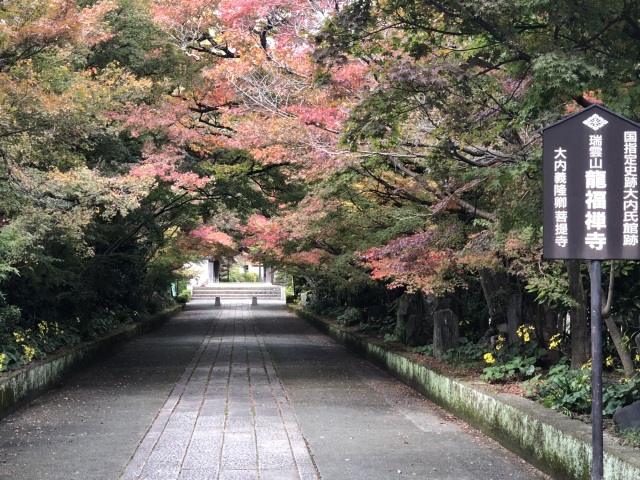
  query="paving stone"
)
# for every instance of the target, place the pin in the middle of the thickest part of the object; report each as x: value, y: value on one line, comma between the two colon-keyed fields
x: 276, y: 460
x: 170, y: 448
x: 164, y: 469
x: 211, y: 417
x: 287, y: 474
x: 206, y: 460
x: 238, y: 475
x: 198, y: 474
x: 266, y: 434
x: 274, y: 444
x: 182, y: 420
x: 239, y: 456
x: 212, y: 444
x: 240, y: 424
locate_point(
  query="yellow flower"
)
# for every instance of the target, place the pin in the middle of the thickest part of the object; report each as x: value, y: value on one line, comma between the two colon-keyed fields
x: 488, y: 357
x: 525, y: 331
x: 637, y: 357
x: 555, y: 341
x: 19, y: 337
x: 586, y: 365
x: 44, y: 328
x: 609, y: 361
x: 29, y: 352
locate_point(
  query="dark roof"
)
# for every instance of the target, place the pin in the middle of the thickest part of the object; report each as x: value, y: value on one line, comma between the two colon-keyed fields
x: 590, y: 107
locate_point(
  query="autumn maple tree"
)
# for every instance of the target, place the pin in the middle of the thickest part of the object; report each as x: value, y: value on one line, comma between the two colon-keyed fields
x: 368, y: 148
x: 113, y: 176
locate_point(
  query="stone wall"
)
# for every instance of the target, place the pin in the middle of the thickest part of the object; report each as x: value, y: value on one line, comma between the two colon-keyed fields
x: 19, y: 387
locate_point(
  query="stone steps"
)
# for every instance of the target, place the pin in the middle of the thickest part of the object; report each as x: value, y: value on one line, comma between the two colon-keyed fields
x: 238, y: 291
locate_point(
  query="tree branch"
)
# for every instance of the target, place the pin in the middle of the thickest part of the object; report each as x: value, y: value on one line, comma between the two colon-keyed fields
x: 466, y: 206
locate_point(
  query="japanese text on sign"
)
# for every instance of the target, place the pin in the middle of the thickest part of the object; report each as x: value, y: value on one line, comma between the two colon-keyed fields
x: 591, y: 190
x: 560, y: 197
x: 630, y: 199
x: 596, y: 196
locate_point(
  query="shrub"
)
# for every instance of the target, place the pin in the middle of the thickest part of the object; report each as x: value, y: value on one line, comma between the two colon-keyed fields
x: 516, y: 368
x: 468, y: 353
x: 426, y: 350
x: 25, y: 345
x: 293, y: 299
x: 620, y: 394
x: 184, y: 296
x: 516, y: 361
x: 351, y: 316
x: 391, y: 337
x: 569, y: 391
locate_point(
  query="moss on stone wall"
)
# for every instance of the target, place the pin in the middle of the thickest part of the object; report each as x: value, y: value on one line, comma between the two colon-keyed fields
x: 21, y: 386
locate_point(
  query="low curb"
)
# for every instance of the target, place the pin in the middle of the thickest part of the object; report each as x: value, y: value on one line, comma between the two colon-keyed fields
x: 19, y: 387
x: 554, y: 443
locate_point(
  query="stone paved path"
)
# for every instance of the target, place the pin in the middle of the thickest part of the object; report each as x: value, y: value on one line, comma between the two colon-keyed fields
x: 247, y: 393
x: 227, y: 417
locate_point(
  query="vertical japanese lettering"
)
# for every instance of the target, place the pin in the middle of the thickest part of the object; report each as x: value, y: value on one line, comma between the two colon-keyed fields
x: 630, y: 196
x: 560, y: 197
x: 596, y: 196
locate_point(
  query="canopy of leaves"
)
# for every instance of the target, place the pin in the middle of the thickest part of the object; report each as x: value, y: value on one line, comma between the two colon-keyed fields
x: 359, y: 144
x: 110, y: 179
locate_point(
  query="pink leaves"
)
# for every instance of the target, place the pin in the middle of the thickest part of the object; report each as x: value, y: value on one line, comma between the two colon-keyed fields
x: 414, y: 262
x: 263, y: 234
x: 210, y: 235
x: 324, y: 117
x: 164, y: 165
x: 207, y: 240
x: 314, y: 257
x: 177, y: 14
x: 60, y: 22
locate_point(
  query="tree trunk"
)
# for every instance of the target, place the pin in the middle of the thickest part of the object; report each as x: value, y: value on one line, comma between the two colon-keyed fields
x: 401, y: 316
x: 416, y: 317
x: 614, y: 331
x: 580, y: 334
x: 494, y: 287
x: 552, y: 324
x: 541, y: 317
x: 504, y: 304
x: 445, y: 332
x: 514, y: 316
x: 623, y: 352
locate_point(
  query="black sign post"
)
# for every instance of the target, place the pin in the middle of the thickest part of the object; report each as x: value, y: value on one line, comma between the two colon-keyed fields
x: 597, y: 462
x: 591, y: 212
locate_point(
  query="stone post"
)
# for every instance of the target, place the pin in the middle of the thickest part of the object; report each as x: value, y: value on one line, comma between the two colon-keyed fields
x: 445, y: 332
